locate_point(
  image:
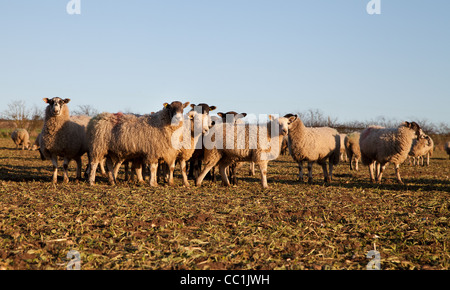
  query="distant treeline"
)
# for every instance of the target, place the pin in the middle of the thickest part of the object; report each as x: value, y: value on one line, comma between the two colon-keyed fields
x: 18, y: 115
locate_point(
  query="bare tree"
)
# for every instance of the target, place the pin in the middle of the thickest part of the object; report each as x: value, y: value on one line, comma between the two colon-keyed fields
x: 87, y: 110
x: 17, y: 111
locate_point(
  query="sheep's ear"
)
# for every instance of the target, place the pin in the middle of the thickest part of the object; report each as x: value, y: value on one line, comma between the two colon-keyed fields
x: 220, y: 114
x: 46, y: 100
x: 66, y: 101
x: 212, y: 108
x: 292, y: 119
x: 165, y: 105
x: 185, y: 105
x: 192, y: 106
x: 191, y: 115
x: 243, y: 115
x: 271, y: 118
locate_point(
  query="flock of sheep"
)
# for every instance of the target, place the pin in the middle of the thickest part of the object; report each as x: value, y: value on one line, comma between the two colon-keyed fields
x: 148, y: 140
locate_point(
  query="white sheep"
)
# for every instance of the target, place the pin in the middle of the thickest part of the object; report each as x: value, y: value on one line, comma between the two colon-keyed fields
x: 61, y: 137
x: 120, y: 137
x: 21, y: 138
x: 421, y: 147
x: 351, y: 144
x: 314, y: 145
x: 196, y: 124
x: 231, y: 142
x: 387, y: 145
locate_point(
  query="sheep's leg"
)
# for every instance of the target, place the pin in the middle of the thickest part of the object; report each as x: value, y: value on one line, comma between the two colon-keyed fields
x: 116, y: 168
x: 153, y: 173
x: 350, y: 156
x: 224, y: 167
x: 263, y: 168
x: 136, y: 166
x: 102, y: 167
x: 310, y: 178
x: 206, y: 169
x: 356, y: 164
x: 110, y: 167
x: 55, y: 169
x: 380, y: 170
x: 93, y: 169
x: 428, y: 159
x: 79, y: 166
x: 252, y: 169
x: 397, y: 172
x: 171, y: 165
x: 66, y: 172
x: 326, y: 177
x: 330, y: 171
x: 233, y: 172
x: 371, y: 172
x: 300, y: 171
x: 183, y: 172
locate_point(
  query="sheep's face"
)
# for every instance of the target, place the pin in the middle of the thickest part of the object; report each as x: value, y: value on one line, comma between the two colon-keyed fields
x: 199, y: 122
x: 231, y: 117
x: 282, y: 123
x: 56, y: 105
x: 176, y: 111
x: 200, y: 117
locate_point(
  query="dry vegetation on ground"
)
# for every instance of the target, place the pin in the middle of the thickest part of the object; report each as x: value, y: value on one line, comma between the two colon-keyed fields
x: 289, y: 226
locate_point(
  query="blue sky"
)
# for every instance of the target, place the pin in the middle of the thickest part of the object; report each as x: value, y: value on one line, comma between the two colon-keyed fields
x: 254, y: 56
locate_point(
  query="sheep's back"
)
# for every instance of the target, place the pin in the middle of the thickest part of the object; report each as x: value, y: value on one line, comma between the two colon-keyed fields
x: 385, y: 144
x: 314, y: 144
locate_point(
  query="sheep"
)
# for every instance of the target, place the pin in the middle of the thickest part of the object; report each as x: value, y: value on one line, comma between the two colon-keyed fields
x: 21, y: 137
x: 119, y: 137
x: 248, y: 144
x: 447, y: 148
x: 233, y: 117
x: 314, y: 145
x: 421, y: 147
x: 198, y: 123
x: 62, y: 137
x: 387, y: 145
x: 351, y: 143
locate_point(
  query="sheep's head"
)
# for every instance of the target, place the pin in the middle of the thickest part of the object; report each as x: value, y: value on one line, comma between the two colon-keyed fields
x: 176, y: 111
x: 56, y: 105
x: 200, y: 118
x: 231, y: 117
x: 283, y: 123
x: 415, y: 127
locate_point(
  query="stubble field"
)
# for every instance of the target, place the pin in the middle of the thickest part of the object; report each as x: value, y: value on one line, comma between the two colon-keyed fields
x: 289, y: 226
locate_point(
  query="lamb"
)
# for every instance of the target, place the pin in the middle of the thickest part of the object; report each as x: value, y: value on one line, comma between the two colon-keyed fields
x: 246, y: 146
x: 421, y: 147
x: 62, y: 137
x: 387, y: 145
x: 314, y: 145
x: 21, y: 138
x: 447, y: 148
x: 119, y: 137
x: 351, y: 143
